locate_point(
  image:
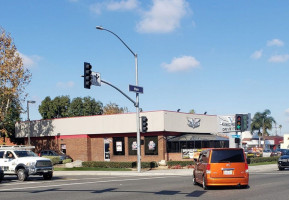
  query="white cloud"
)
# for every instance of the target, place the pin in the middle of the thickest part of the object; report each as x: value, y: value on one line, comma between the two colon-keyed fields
x: 123, y: 5
x: 29, y: 61
x: 287, y: 111
x: 257, y: 54
x: 164, y: 16
x: 181, y: 64
x: 279, y: 58
x: 68, y: 84
x: 275, y: 42
x: 96, y: 8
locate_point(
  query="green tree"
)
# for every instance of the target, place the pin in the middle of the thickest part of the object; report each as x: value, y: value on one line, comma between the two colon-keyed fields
x: 262, y: 121
x: 113, y: 108
x: 60, y: 106
x: 92, y: 107
x: 192, y: 111
x: 14, y: 78
x: 45, y: 108
x: 76, y: 107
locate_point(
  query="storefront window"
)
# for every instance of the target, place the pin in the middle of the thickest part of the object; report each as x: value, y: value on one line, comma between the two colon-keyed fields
x: 151, y: 145
x: 132, y: 146
x: 173, y: 147
x: 118, y: 146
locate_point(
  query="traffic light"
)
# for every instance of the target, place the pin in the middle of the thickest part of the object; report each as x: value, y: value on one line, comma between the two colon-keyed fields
x: 144, y: 124
x: 237, y: 140
x: 87, y: 75
x: 245, y: 122
x: 238, y: 123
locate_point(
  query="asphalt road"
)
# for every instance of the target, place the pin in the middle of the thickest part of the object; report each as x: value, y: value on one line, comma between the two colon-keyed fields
x: 271, y: 184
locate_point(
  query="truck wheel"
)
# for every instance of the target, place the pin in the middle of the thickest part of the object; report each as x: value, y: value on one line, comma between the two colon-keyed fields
x: 1, y: 177
x: 22, y: 175
x: 47, y: 176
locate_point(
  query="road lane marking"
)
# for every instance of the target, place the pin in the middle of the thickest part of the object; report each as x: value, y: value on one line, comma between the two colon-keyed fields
x: 84, y: 183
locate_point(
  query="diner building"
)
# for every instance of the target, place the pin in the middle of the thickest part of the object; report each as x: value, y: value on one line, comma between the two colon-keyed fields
x: 170, y: 136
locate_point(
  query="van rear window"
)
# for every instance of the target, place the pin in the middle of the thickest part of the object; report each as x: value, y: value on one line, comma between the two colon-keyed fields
x: 232, y: 156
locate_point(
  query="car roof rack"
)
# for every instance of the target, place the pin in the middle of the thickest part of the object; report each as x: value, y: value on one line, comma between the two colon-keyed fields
x: 16, y: 147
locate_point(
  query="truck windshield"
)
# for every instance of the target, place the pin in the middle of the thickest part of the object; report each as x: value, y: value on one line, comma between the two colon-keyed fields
x: 25, y: 154
x: 232, y: 156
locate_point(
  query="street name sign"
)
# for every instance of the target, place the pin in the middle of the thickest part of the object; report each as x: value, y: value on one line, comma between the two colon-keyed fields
x: 136, y: 89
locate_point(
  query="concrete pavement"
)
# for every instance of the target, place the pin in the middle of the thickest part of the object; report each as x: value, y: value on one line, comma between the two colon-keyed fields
x: 157, y: 172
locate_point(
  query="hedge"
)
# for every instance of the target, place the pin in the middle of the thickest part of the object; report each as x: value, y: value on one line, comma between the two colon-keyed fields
x: 180, y: 163
x: 54, y: 159
x: 100, y: 164
x: 262, y: 159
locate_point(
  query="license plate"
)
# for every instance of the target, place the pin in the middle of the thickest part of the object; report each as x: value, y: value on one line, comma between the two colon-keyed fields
x: 228, y: 172
x: 45, y: 171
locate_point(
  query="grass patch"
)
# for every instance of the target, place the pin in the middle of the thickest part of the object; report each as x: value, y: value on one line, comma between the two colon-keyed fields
x: 90, y: 169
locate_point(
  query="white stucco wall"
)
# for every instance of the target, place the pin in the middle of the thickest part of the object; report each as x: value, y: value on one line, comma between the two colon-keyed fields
x: 120, y: 123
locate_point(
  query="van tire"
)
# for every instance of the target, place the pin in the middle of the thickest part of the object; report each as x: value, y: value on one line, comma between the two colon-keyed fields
x: 194, y: 179
x: 205, y: 187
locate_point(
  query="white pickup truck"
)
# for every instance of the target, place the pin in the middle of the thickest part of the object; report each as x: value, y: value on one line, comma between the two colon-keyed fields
x: 21, y: 161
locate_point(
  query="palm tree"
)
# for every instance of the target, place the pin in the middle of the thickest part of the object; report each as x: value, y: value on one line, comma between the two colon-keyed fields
x: 262, y: 121
x: 280, y: 126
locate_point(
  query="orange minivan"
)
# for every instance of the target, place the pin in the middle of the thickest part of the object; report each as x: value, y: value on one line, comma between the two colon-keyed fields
x: 221, y: 167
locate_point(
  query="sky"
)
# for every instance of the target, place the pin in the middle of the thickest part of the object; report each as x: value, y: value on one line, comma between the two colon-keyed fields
x: 220, y: 57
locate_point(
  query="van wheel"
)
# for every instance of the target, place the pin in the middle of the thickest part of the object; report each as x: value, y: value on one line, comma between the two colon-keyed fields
x: 205, y: 187
x: 194, y: 179
x: 22, y: 175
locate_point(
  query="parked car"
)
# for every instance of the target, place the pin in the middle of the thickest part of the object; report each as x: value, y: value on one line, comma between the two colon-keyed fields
x: 283, y: 161
x: 61, y: 155
x: 276, y: 153
x: 283, y: 151
x: 267, y: 153
x: 221, y: 167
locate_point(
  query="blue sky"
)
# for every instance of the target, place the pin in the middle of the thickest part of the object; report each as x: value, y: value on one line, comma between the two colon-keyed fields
x: 220, y: 57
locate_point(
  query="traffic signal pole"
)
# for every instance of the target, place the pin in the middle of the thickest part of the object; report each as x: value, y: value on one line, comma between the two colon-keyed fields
x: 137, y: 98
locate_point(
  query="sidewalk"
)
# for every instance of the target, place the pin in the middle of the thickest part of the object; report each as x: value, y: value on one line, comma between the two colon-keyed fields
x: 156, y: 172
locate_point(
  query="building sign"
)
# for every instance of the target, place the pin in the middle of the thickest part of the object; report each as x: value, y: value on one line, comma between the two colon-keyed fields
x: 226, y: 123
x: 118, y: 146
x: 152, y: 145
x: 194, y: 122
x: 134, y: 146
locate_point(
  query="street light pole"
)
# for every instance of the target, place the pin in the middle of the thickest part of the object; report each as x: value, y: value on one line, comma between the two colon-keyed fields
x: 137, y: 98
x: 29, y: 120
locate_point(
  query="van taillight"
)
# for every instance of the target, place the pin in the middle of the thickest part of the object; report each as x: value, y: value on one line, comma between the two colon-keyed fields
x: 246, y: 168
x: 208, y: 169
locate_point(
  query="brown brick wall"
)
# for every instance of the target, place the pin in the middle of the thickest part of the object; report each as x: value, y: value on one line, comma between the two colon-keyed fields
x: 91, y: 147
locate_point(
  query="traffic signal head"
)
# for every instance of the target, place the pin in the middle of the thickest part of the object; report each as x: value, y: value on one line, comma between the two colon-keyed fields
x: 87, y: 75
x: 238, y: 123
x: 144, y: 124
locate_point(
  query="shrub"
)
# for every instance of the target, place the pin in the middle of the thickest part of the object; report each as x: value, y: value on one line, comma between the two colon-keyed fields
x: 54, y: 159
x: 182, y: 164
x: 68, y: 160
x: 262, y: 159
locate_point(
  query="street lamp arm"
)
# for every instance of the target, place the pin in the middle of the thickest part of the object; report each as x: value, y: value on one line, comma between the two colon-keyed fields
x: 101, y: 28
